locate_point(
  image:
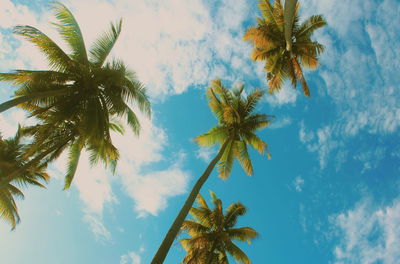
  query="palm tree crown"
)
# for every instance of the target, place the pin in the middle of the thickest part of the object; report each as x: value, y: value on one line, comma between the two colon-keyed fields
x: 81, y: 98
x: 11, y: 159
x: 284, y: 59
x: 212, y: 232
x: 237, y: 125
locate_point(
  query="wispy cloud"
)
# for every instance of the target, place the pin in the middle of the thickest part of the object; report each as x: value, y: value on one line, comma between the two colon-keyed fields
x: 361, y: 72
x: 97, y: 227
x: 130, y: 258
x: 368, y: 234
x: 298, y: 184
x: 206, y: 154
x: 280, y: 122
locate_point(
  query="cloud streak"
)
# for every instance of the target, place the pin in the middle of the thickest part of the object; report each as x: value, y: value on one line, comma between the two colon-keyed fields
x: 368, y: 234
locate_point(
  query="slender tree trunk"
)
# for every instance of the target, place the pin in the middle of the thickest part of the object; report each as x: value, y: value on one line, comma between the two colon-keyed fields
x: 289, y: 13
x: 26, y: 98
x: 162, y: 252
x: 6, y: 180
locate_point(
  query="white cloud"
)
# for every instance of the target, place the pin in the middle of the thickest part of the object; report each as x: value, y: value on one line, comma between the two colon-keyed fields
x: 97, y: 227
x: 304, y: 135
x: 321, y: 142
x: 130, y: 258
x: 368, y: 234
x: 286, y: 95
x: 370, y: 158
x: 206, y: 154
x: 298, y: 184
x: 280, y: 122
x: 361, y: 71
x: 150, y: 190
x: 9, y: 121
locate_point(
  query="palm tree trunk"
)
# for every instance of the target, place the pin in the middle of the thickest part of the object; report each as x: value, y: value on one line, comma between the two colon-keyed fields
x: 288, y: 16
x: 26, y: 98
x: 162, y: 252
x: 14, y: 174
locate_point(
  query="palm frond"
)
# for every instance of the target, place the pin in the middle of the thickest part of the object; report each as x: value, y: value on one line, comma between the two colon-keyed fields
x: 236, y: 253
x: 241, y: 153
x: 268, y: 13
x: 226, y: 162
x: 69, y: 30
x: 73, y: 161
x: 307, y: 28
x: 245, y: 234
x: 102, y: 47
x: 255, y: 142
x: 56, y: 57
x: 232, y: 213
x: 216, y: 135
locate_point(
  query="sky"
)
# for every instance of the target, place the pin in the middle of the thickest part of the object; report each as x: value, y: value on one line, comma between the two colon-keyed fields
x: 330, y: 193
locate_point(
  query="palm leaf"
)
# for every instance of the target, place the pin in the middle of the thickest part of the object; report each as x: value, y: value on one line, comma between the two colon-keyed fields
x: 56, y: 57
x: 70, y: 32
x: 74, y: 154
x: 311, y: 24
x: 236, y: 252
x: 104, y: 44
x: 242, y: 234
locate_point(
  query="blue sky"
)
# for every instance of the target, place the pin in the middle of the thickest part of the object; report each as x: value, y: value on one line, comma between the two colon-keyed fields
x: 330, y: 193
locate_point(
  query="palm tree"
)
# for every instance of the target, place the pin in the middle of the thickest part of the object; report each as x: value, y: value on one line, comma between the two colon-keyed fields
x: 81, y: 98
x: 236, y: 129
x: 284, y: 44
x: 212, y: 233
x: 11, y: 159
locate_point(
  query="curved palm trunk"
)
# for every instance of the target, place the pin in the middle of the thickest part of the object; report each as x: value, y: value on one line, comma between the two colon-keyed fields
x: 26, y: 98
x: 5, y: 181
x: 288, y: 16
x: 162, y: 252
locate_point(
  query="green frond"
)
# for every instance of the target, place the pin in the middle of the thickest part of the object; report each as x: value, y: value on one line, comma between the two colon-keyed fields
x: 226, y: 162
x: 256, y: 122
x: 56, y: 57
x: 202, y: 202
x: 69, y: 30
x: 224, y: 94
x: 245, y: 234
x: 73, y: 160
x: 300, y: 76
x: 102, y: 47
x: 255, y: 142
x: 268, y: 13
x: 236, y: 253
x: 193, y: 228
x: 232, y: 213
x: 8, y: 209
x: 117, y: 127
x: 307, y: 28
x: 201, y: 216
x: 253, y: 99
x: 20, y: 77
x: 243, y: 157
x: 133, y: 121
x: 216, y: 135
x: 214, y: 104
